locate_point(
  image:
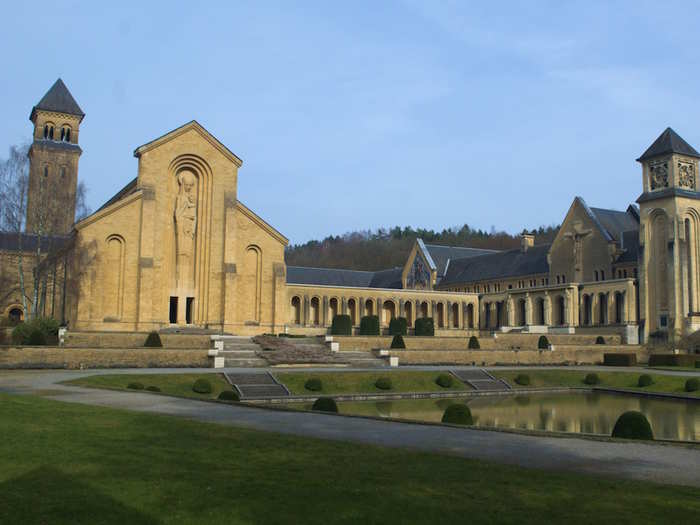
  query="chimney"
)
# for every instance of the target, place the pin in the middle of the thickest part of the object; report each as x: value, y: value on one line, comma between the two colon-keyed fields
x: 527, y: 240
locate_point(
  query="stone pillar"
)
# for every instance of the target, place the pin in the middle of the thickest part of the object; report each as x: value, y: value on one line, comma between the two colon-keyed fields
x: 344, y: 306
x: 449, y: 314
x: 306, y: 310
x: 493, y: 314
x: 528, y: 309
x: 432, y: 310
x: 360, y: 309
x: 324, y: 317
x: 547, y: 309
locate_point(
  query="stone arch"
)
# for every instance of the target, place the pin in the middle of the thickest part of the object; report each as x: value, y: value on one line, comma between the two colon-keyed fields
x: 369, y: 307
x: 423, y: 309
x: 295, y: 316
x: 522, y: 313
x: 251, y: 280
x: 352, y: 310
x: 440, y: 315
x: 470, y: 316
x: 619, y: 307
x: 315, y: 311
x: 559, y: 311
x: 539, y: 311
x: 112, y: 281
x: 333, y: 308
x: 408, y: 312
x: 455, y: 315
x: 689, y: 260
x: 388, y: 312
x: 602, y: 308
x: 586, y: 310
x: 14, y: 313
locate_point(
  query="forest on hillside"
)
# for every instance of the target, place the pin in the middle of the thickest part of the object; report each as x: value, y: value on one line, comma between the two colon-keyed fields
x: 388, y: 248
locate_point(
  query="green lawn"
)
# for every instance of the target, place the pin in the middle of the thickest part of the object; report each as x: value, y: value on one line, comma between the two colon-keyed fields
x: 363, y: 382
x: 574, y: 378
x: 64, y: 463
x: 173, y: 384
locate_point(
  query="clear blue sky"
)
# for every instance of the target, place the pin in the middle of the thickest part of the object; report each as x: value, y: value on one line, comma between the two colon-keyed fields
x: 355, y: 115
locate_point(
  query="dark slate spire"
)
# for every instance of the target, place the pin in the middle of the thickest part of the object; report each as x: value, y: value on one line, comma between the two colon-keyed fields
x: 59, y: 100
x: 669, y: 142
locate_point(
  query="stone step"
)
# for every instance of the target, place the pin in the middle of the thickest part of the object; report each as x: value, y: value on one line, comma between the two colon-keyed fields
x: 471, y: 373
x: 244, y: 362
x: 237, y: 353
x: 261, y: 378
x: 488, y: 384
x: 257, y: 391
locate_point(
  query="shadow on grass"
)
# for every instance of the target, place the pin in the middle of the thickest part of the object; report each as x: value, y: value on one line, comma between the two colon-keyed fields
x: 49, y: 496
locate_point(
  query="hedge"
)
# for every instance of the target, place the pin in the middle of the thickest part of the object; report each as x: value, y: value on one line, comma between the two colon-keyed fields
x: 153, y: 341
x: 591, y: 379
x: 620, y: 359
x: 37, y: 332
x: 383, y: 383
x: 341, y: 325
x: 228, y: 395
x: 445, y: 380
x: 458, y: 415
x: 369, y: 325
x: 397, y: 342
x: 692, y: 385
x: 425, y: 326
x: 325, y: 404
x: 543, y: 343
x: 522, y: 379
x: 202, y: 386
x: 135, y: 386
x: 674, y: 360
x: 473, y: 343
x: 600, y: 340
x: 398, y: 326
x: 314, y: 384
x: 633, y: 425
x: 645, y: 380
x: 153, y: 388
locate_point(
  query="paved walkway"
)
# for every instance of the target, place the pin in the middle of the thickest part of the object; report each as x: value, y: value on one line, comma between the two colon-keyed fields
x: 650, y: 462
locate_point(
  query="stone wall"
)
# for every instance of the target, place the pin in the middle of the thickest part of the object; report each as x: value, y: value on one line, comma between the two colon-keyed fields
x: 134, y: 340
x: 561, y: 355
x: 77, y: 358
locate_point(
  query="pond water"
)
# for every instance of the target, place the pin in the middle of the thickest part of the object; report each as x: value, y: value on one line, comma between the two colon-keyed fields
x: 590, y: 413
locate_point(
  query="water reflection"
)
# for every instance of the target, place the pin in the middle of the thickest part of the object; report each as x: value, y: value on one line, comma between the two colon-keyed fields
x: 591, y: 413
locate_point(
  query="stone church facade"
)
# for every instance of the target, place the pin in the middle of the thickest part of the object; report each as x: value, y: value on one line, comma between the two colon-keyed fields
x: 176, y: 248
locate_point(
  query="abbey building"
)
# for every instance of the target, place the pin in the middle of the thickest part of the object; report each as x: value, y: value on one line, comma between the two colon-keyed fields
x: 176, y: 247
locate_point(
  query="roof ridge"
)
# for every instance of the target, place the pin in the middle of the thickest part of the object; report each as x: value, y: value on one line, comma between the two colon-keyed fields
x: 335, y: 269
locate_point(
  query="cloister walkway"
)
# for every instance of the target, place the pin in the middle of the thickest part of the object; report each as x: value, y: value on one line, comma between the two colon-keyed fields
x: 656, y: 462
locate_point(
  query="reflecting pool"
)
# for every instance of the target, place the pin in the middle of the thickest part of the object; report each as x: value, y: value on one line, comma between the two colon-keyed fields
x: 590, y: 413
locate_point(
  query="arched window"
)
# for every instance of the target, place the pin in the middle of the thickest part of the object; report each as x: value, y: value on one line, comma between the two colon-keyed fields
x: 314, y: 311
x: 333, y: 305
x: 408, y: 312
x: 352, y: 310
x: 15, y: 315
x: 455, y: 315
x: 46, y: 131
x: 46, y: 171
x: 63, y: 172
x: 50, y: 132
x: 296, y: 310
x: 65, y: 134
x: 470, y: 316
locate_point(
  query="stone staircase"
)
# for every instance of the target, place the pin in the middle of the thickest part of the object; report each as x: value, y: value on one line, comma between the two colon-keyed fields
x: 238, y: 351
x: 480, y: 379
x: 256, y: 385
x: 312, y: 351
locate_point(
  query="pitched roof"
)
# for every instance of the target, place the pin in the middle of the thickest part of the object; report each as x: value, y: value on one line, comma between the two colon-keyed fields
x: 442, y: 254
x: 616, y: 222
x: 669, y: 142
x: 630, y: 243
x: 346, y: 278
x: 499, y: 265
x: 59, y: 100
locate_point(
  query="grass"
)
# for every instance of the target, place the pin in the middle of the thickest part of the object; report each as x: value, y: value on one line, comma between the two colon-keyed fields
x: 172, y: 384
x: 63, y: 463
x: 363, y: 382
x: 572, y: 378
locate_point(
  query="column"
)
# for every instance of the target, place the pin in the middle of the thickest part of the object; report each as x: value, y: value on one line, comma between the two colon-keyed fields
x: 528, y: 309
x: 306, y: 310
x: 547, y: 309
x: 449, y: 314
x: 324, y: 317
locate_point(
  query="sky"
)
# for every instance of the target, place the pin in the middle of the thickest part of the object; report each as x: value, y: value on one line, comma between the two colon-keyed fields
x: 364, y: 114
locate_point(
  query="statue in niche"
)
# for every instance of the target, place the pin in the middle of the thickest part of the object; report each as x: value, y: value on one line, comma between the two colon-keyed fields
x: 185, y: 227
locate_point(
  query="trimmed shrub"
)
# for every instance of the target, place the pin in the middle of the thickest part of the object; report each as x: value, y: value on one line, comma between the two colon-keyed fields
x: 620, y: 359
x: 645, y: 380
x: 398, y: 326
x: 36, y: 338
x: 674, y: 360
x: 600, y: 340
x: 314, y: 384
x: 325, y: 404
x: 697, y: 364
x: 543, y: 343
x: 153, y: 340
x: 342, y: 325
x: 425, y: 326
x: 445, y: 380
x: 473, y: 343
x: 692, y: 385
x: 369, y: 325
x: 202, y: 386
x: 228, y: 395
x: 632, y: 425
x: 397, y: 342
x: 458, y: 415
x: 383, y: 383
x: 153, y: 388
x: 591, y: 379
x: 522, y: 379
x: 135, y: 386
x: 37, y: 332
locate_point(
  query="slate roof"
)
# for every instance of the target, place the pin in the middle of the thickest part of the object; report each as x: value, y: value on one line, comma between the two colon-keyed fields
x: 59, y: 100
x: 9, y: 241
x: 615, y: 222
x: 336, y: 277
x: 442, y: 254
x: 630, y: 243
x: 498, y: 265
x: 669, y: 142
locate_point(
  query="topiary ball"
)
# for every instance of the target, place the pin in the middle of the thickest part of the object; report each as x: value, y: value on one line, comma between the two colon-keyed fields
x: 228, y: 395
x: 202, y: 386
x: 543, y: 343
x: 325, y: 404
x: 645, y: 380
x: 314, y: 384
x: 444, y: 380
x: 692, y: 385
x: 522, y: 379
x: 473, y: 343
x: 458, y: 415
x: 153, y: 388
x: 600, y: 340
x: 36, y: 338
x: 135, y: 386
x: 153, y: 340
x: 397, y: 342
x: 633, y: 425
x: 383, y: 383
x: 591, y: 379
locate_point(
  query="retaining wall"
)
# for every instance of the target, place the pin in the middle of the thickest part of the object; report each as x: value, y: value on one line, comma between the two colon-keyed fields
x: 134, y: 340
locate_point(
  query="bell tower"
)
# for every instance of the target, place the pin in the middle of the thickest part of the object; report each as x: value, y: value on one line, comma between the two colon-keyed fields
x: 669, y: 222
x: 53, y: 162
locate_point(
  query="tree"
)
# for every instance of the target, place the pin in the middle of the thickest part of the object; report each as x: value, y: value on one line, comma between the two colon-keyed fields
x: 42, y: 251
